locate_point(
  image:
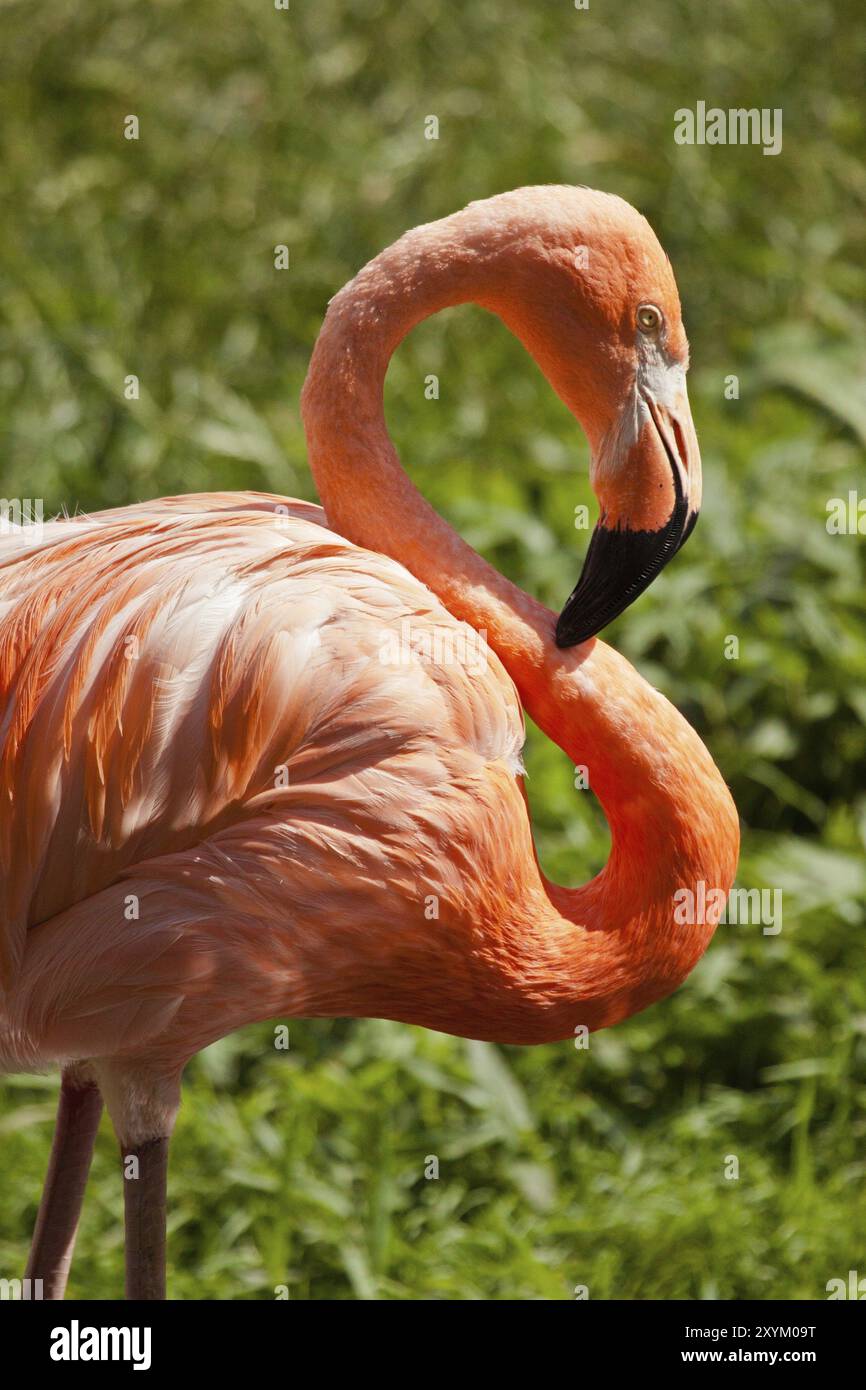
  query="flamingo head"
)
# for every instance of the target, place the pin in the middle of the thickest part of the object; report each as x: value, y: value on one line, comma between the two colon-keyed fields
x: 588, y: 289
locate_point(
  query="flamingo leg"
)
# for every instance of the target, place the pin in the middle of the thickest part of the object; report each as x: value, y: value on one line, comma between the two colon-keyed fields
x: 78, y: 1114
x: 144, y: 1208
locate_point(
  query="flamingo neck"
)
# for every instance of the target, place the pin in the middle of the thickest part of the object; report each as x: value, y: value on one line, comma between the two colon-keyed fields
x: 613, y: 943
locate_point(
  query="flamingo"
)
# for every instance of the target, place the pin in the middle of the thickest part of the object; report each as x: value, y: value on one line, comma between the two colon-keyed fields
x: 226, y: 795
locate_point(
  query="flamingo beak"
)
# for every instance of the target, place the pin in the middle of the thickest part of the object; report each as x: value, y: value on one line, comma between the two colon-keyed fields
x: 650, y: 496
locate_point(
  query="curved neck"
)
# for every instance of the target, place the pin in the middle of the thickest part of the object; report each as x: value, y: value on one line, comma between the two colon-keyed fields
x: 673, y: 824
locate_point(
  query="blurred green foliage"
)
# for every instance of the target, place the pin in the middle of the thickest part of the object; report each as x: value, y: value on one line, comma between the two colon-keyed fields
x: 155, y: 257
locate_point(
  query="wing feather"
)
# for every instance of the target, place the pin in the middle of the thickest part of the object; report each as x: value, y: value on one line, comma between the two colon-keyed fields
x: 172, y: 669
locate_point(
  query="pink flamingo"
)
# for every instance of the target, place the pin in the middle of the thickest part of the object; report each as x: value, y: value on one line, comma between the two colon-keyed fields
x: 239, y: 780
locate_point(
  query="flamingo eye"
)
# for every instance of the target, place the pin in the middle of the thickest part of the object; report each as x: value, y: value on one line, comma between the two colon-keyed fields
x: 649, y: 318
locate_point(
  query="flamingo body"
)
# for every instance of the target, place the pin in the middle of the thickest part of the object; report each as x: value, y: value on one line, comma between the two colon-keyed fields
x: 257, y: 763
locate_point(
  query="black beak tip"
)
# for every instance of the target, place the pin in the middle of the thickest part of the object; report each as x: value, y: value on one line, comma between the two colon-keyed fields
x: 567, y: 633
x: 619, y: 566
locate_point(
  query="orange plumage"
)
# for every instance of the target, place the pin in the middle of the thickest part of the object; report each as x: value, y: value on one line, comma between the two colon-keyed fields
x: 256, y: 759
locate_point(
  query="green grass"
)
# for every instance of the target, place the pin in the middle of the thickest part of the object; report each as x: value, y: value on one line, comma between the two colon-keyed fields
x: 557, y: 1168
